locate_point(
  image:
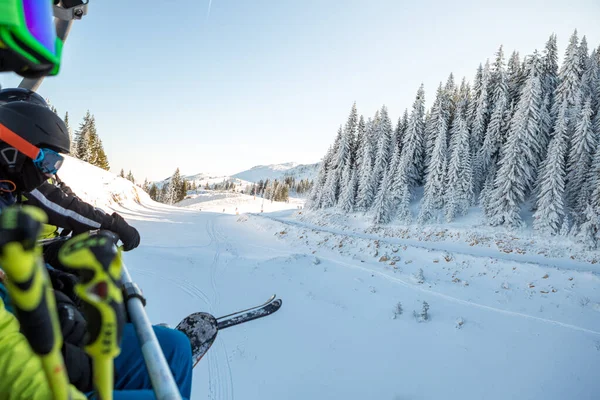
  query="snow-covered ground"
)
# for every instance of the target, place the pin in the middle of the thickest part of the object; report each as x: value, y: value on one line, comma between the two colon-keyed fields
x: 499, y: 327
x: 236, y: 203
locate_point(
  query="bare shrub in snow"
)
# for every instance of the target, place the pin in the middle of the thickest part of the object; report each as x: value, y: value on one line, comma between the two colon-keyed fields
x: 460, y: 322
x: 419, y: 276
x: 584, y: 301
x: 398, y: 310
x: 424, y: 311
x: 424, y: 315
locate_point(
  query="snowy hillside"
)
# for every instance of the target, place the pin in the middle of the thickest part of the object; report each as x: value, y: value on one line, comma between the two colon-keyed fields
x: 278, y: 171
x: 499, y: 325
x: 101, y: 188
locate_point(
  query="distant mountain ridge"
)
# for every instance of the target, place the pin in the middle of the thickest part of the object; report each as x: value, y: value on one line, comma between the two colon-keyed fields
x: 278, y: 171
x: 255, y: 174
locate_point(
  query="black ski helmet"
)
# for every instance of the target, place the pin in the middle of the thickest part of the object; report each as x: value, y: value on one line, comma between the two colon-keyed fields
x: 38, y: 125
x: 21, y: 94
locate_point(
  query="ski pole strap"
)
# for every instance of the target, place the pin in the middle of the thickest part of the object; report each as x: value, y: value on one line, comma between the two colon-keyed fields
x: 98, y: 262
x: 30, y: 291
x: 131, y: 290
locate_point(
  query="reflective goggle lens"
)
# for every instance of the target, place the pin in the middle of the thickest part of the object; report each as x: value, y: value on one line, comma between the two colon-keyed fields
x: 48, y: 161
x: 40, y: 22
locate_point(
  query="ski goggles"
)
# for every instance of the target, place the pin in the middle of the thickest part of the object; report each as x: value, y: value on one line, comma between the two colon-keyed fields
x: 28, y: 42
x: 46, y: 160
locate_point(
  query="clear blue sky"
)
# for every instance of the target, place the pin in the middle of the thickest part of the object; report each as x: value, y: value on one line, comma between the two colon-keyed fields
x: 264, y: 81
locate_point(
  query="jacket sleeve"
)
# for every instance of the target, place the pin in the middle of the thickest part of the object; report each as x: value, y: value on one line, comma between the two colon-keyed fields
x: 79, y: 367
x: 66, y: 211
x: 21, y: 372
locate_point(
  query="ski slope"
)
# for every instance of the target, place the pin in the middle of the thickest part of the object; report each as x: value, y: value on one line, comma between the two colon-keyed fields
x: 499, y: 328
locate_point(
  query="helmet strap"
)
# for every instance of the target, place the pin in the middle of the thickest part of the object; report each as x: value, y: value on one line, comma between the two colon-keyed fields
x: 16, y: 141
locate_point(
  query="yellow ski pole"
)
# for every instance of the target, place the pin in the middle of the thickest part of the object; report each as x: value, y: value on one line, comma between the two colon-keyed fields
x: 31, y: 293
x: 98, y: 262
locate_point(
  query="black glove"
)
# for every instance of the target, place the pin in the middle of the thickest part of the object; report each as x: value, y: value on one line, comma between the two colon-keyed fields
x: 65, y: 283
x: 72, y: 322
x: 127, y: 233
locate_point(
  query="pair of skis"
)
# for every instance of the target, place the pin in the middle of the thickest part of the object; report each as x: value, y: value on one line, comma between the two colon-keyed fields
x: 202, y: 328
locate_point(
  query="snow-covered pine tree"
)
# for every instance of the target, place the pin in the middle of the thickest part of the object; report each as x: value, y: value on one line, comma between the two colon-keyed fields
x: 153, y: 192
x: 590, y: 81
x: 351, y: 132
x: 497, y: 76
x: 413, y: 145
x: 404, y: 125
x: 459, y: 183
x: 334, y: 172
x: 360, y: 142
x: 122, y: 173
x: 518, y: 165
x: 583, y: 54
x: 550, y: 61
x: 372, y: 134
x: 69, y: 131
x: 568, y: 91
x: 384, y: 199
x: 175, y: 186
x: 582, y: 148
x: 549, y: 83
x: 130, y: 177
x: 384, y: 146
x: 182, y: 192
x: 348, y: 195
x: 97, y: 155
x: 451, y: 92
x: 589, y: 231
x: 551, y: 207
x: 433, y: 199
x: 486, y: 159
x: 319, y: 196
x: 366, y: 187
x: 316, y: 194
x: 82, y: 138
x: 479, y: 109
x: 347, y: 159
x: 427, y: 147
x: 431, y: 125
x: 409, y: 173
x: 515, y: 78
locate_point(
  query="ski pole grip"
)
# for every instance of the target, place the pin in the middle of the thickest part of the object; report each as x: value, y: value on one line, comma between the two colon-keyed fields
x: 29, y: 288
x: 98, y: 262
x: 28, y: 280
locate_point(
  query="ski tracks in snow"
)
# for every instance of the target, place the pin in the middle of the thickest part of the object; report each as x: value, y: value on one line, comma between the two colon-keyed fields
x: 183, y: 284
x: 219, y: 369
